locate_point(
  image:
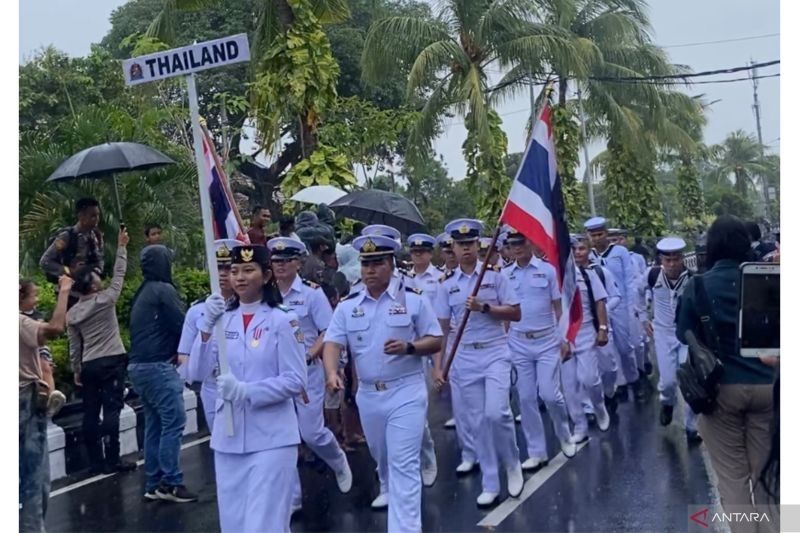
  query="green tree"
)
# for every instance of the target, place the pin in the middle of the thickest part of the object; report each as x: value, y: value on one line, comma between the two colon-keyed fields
x: 739, y: 155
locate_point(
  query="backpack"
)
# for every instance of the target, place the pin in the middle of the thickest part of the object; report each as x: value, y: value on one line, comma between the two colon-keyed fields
x: 67, y: 254
x: 699, y: 375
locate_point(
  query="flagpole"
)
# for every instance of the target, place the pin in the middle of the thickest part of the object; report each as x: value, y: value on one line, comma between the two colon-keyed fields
x: 492, y: 246
x: 208, y: 234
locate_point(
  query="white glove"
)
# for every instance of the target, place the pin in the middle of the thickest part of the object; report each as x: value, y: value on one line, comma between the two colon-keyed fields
x: 212, y: 309
x: 231, y: 389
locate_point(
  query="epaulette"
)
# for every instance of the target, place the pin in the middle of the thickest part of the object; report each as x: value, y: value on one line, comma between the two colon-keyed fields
x: 440, y: 268
x: 283, y: 308
x: 407, y: 273
x: 310, y: 284
x: 350, y: 296
x: 447, y: 275
x: 198, y: 301
x: 512, y: 263
x: 414, y: 290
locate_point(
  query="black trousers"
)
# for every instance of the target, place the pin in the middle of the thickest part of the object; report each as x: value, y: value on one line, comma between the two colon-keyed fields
x: 103, y: 387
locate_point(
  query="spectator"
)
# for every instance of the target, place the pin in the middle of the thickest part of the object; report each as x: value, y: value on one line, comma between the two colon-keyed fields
x: 737, y: 433
x: 641, y: 249
x: 76, y: 246
x: 331, y: 275
x: 349, y: 264
x: 156, y: 324
x: 286, y: 228
x: 152, y: 234
x: 258, y: 225
x: 313, y: 266
x: 760, y: 248
x: 98, y: 361
x: 34, y: 396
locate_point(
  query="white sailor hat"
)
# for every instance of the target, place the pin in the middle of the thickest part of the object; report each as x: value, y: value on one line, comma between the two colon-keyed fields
x: 421, y: 240
x: 444, y: 240
x: 575, y: 238
x: 464, y: 229
x: 223, y: 248
x: 375, y: 247
x: 381, y: 229
x: 485, y: 242
x: 286, y: 248
x: 595, y: 223
x: 671, y: 245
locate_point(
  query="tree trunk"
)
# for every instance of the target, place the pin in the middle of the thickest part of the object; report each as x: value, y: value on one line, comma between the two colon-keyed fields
x: 562, y: 91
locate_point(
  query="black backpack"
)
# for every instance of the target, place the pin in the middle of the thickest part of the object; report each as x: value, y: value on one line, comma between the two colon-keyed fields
x: 699, y: 375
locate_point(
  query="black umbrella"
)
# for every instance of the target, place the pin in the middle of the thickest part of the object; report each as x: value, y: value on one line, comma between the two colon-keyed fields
x: 374, y: 206
x: 108, y: 159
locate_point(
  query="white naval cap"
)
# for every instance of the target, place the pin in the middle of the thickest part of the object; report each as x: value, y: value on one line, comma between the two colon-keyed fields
x: 223, y: 248
x: 464, y: 229
x: 286, y: 247
x: 671, y: 245
x: 381, y: 229
x: 595, y: 223
x: 375, y: 246
x: 485, y: 242
x: 444, y: 240
x: 421, y: 240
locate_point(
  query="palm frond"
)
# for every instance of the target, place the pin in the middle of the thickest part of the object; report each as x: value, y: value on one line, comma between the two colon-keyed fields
x: 432, y: 61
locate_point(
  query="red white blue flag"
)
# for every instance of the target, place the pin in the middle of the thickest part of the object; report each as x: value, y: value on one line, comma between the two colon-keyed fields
x: 535, y: 208
x: 224, y: 216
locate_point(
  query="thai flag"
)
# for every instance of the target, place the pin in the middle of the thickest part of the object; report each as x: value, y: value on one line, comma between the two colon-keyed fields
x: 535, y: 207
x: 225, y: 217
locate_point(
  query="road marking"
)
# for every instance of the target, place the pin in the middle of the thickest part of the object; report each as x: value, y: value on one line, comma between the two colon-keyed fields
x: 502, y: 511
x: 94, y: 479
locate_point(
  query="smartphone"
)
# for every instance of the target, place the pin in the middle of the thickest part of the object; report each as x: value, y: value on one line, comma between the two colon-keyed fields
x: 760, y: 309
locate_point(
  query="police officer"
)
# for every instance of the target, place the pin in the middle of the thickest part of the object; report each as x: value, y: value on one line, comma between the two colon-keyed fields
x: 581, y: 372
x: 666, y: 283
x: 536, y: 349
x: 191, y: 327
x: 387, y: 327
x: 482, y: 365
x: 307, y: 300
x: 256, y: 467
x: 617, y: 260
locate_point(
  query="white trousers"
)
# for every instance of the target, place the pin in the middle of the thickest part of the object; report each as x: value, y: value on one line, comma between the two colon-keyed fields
x: 670, y: 353
x: 464, y: 430
x: 580, y: 375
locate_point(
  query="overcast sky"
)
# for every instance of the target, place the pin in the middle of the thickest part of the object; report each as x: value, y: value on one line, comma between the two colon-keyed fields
x: 72, y: 25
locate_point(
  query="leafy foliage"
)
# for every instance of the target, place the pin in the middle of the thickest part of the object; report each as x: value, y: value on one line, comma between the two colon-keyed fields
x: 325, y: 166
x: 566, y: 133
x: 486, y: 179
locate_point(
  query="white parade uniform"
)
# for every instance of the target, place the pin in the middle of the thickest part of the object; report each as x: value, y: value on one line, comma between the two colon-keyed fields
x: 637, y: 332
x: 307, y: 300
x: 536, y: 353
x: 208, y: 388
x: 392, y: 397
x: 256, y: 467
x: 608, y: 358
x: 482, y: 369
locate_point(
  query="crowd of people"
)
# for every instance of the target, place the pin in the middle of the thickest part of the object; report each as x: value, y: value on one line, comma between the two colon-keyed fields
x: 335, y: 341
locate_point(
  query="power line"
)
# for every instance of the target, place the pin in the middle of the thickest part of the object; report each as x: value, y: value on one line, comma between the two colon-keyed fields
x: 736, y: 39
x: 639, y: 82
x: 690, y: 75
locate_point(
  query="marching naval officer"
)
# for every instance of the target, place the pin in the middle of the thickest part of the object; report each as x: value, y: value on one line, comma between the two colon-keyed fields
x: 482, y: 365
x: 307, y: 300
x: 387, y: 328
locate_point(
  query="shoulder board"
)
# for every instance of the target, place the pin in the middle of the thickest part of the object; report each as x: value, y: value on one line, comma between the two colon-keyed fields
x: 283, y: 308
x: 511, y: 264
x: 405, y: 272
x: 350, y: 296
x: 414, y: 290
x: 310, y: 284
x: 447, y: 275
x: 497, y: 268
x: 198, y: 301
x: 356, y: 282
x: 440, y: 268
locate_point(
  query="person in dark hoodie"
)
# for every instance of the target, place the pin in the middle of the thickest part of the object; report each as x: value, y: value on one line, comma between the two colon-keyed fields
x: 157, y: 315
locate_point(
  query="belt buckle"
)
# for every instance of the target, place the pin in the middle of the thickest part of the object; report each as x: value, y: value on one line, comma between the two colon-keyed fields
x: 380, y: 386
x: 478, y: 345
x: 530, y: 334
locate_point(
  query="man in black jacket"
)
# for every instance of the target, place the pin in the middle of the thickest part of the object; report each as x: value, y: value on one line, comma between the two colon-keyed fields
x: 156, y: 325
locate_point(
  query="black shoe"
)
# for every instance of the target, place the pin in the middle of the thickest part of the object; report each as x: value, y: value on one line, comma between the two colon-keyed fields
x: 693, y: 437
x: 591, y: 419
x: 622, y: 393
x: 175, y: 493
x: 666, y: 415
x: 611, y: 404
x: 120, y: 466
x: 648, y: 368
x: 638, y: 390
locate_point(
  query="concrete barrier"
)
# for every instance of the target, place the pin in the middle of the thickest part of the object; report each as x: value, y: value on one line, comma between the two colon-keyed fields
x: 56, y: 443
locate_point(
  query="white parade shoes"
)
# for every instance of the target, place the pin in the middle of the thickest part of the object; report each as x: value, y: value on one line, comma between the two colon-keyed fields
x: 486, y: 499
x: 429, y: 475
x: 578, y: 438
x: 465, y: 467
x: 532, y: 463
x: 516, y: 481
x: 381, y: 502
x: 569, y: 448
x: 603, y: 420
x: 345, y: 479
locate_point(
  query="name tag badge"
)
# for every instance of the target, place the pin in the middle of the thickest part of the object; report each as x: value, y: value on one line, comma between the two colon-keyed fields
x: 487, y: 286
x: 397, y: 310
x: 454, y: 290
x: 297, y: 302
x: 231, y: 335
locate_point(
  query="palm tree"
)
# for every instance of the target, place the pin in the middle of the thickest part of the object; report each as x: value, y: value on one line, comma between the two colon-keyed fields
x: 453, y: 55
x: 739, y: 155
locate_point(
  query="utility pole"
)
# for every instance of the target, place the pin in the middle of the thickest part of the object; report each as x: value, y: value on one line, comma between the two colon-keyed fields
x: 586, y: 174
x: 757, y: 110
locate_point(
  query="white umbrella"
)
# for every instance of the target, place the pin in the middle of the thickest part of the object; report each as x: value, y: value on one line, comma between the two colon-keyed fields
x: 318, y: 194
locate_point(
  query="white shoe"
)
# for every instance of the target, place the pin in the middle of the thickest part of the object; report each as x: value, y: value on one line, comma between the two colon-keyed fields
x: 381, y: 502
x: 465, y: 467
x: 429, y: 475
x: 345, y: 479
x: 516, y: 482
x: 295, y: 507
x: 518, y: 419
x: 578, y: 438
x: 487, y: 498
x: 532, y: 463
x: 603, y: 420
x: 450, y: 424
x: 569, y: 448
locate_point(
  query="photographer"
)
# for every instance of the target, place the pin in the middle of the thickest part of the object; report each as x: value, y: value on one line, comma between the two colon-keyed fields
x: 737, y: 433
x: 98, y: 361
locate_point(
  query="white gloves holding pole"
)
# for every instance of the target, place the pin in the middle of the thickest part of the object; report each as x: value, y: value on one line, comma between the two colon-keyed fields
x: 214, y: 307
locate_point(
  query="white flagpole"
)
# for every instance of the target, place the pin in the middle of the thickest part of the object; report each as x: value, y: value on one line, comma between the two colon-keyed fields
x: 208, y: 233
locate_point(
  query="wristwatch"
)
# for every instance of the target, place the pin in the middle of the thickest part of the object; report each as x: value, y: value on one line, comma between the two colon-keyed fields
x: 410, y: 348
x: 486, y: 308
x: 604, y: 328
